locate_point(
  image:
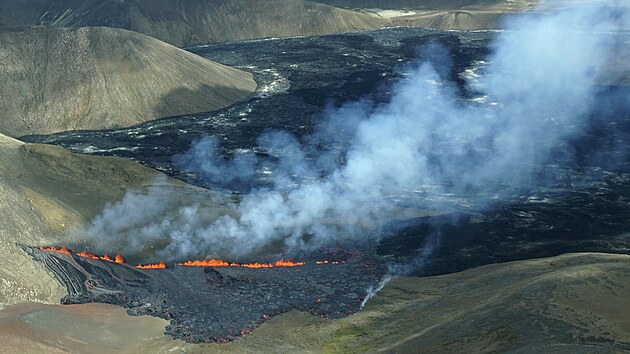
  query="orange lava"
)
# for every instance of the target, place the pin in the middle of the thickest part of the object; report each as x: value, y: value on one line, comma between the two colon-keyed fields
x: 287, y: 263
x: 83, y: 254
x: 197, y: 263
x: 107, y: 258
x: 205, y: 263
x: 63, y: 250
x: 160, y: 265
x: 255, y: 265
x: 329, y: 262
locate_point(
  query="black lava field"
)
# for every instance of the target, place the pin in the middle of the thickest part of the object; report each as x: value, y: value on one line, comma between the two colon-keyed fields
x: 581, y: 204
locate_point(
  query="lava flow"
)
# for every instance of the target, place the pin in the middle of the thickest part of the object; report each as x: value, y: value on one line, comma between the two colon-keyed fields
x: 62, y: 250
x: 197, y: 263
x: 117, y: 259
x: 160, y: 265
x: 221, y: 263
x: 329, y: 262
x: 288, y: 263
x: 215, y: 300
x: 84, y: 254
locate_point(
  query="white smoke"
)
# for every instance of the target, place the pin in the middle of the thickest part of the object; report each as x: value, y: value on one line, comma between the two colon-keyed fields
x: 372, y: 291
x: 538, y: 87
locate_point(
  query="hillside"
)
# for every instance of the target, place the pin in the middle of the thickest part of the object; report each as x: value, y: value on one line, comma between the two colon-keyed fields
x: 445, y: 15
x: 96, y: 78
x: 46, y: 191
x: 191, y: 22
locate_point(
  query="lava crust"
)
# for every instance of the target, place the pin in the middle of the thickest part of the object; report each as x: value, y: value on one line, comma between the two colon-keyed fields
x: 206, y: 304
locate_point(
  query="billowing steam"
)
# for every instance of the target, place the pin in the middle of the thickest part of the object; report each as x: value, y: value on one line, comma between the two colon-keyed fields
x: 535, y: 92
x: 373, y: 290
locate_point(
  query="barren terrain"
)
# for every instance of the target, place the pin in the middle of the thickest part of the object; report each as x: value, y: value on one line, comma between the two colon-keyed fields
x: 192, y: 22
x: 472, y: 297
x: 47, y: 191
x: 95, y: 78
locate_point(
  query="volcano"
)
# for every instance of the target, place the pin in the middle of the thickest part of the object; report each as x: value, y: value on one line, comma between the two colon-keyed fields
x: 214, y: 300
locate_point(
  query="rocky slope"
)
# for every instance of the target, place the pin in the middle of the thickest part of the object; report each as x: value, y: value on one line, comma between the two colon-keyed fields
x: 96, y: 78
x: 191, y: 22
x: 46, y: 191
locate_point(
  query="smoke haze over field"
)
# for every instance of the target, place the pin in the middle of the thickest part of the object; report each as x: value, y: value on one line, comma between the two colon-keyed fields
x: 536, y: 92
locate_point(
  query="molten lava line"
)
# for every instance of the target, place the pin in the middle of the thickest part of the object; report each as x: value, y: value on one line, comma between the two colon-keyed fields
x: 205, y: 263
x: 197, y: 263
x: 84, y: 254
x: 255, y: 265
x: 62, y: 250
x: 288, y: 263
x: 329, y: 262
x: 160, y: 265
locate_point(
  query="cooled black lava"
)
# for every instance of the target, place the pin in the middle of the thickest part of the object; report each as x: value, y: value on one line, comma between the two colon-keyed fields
x: 579, y: 204
x: 297, y: 78
x: 206, y: 304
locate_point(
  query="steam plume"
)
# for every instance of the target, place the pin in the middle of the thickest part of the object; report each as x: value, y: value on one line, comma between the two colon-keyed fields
x: 536, y: 91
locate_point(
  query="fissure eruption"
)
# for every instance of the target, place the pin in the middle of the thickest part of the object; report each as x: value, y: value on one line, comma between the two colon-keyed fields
x: 189, y: 263
x: 83, y: 254
x: 214, y: 300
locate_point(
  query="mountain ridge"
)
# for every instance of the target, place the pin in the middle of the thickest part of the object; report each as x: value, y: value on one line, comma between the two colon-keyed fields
x: 58, y: 79
x: 191, y: 22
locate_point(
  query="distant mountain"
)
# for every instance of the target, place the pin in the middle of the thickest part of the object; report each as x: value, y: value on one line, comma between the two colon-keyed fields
x: 453, y: 20
x: 439, y: 14
x: 97, y: 78
x: 191, y: 22
x: 415, y: 4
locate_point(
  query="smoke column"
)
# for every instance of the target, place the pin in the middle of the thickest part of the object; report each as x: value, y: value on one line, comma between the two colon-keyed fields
x: 536, y: 91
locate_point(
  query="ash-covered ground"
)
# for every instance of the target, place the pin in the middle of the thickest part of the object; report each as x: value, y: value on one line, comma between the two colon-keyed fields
x: 218, y: 304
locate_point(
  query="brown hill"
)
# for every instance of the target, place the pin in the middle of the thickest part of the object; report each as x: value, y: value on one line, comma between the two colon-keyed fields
x: 45, y: 191
x: 191, y: 22
x: 95, y: 78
